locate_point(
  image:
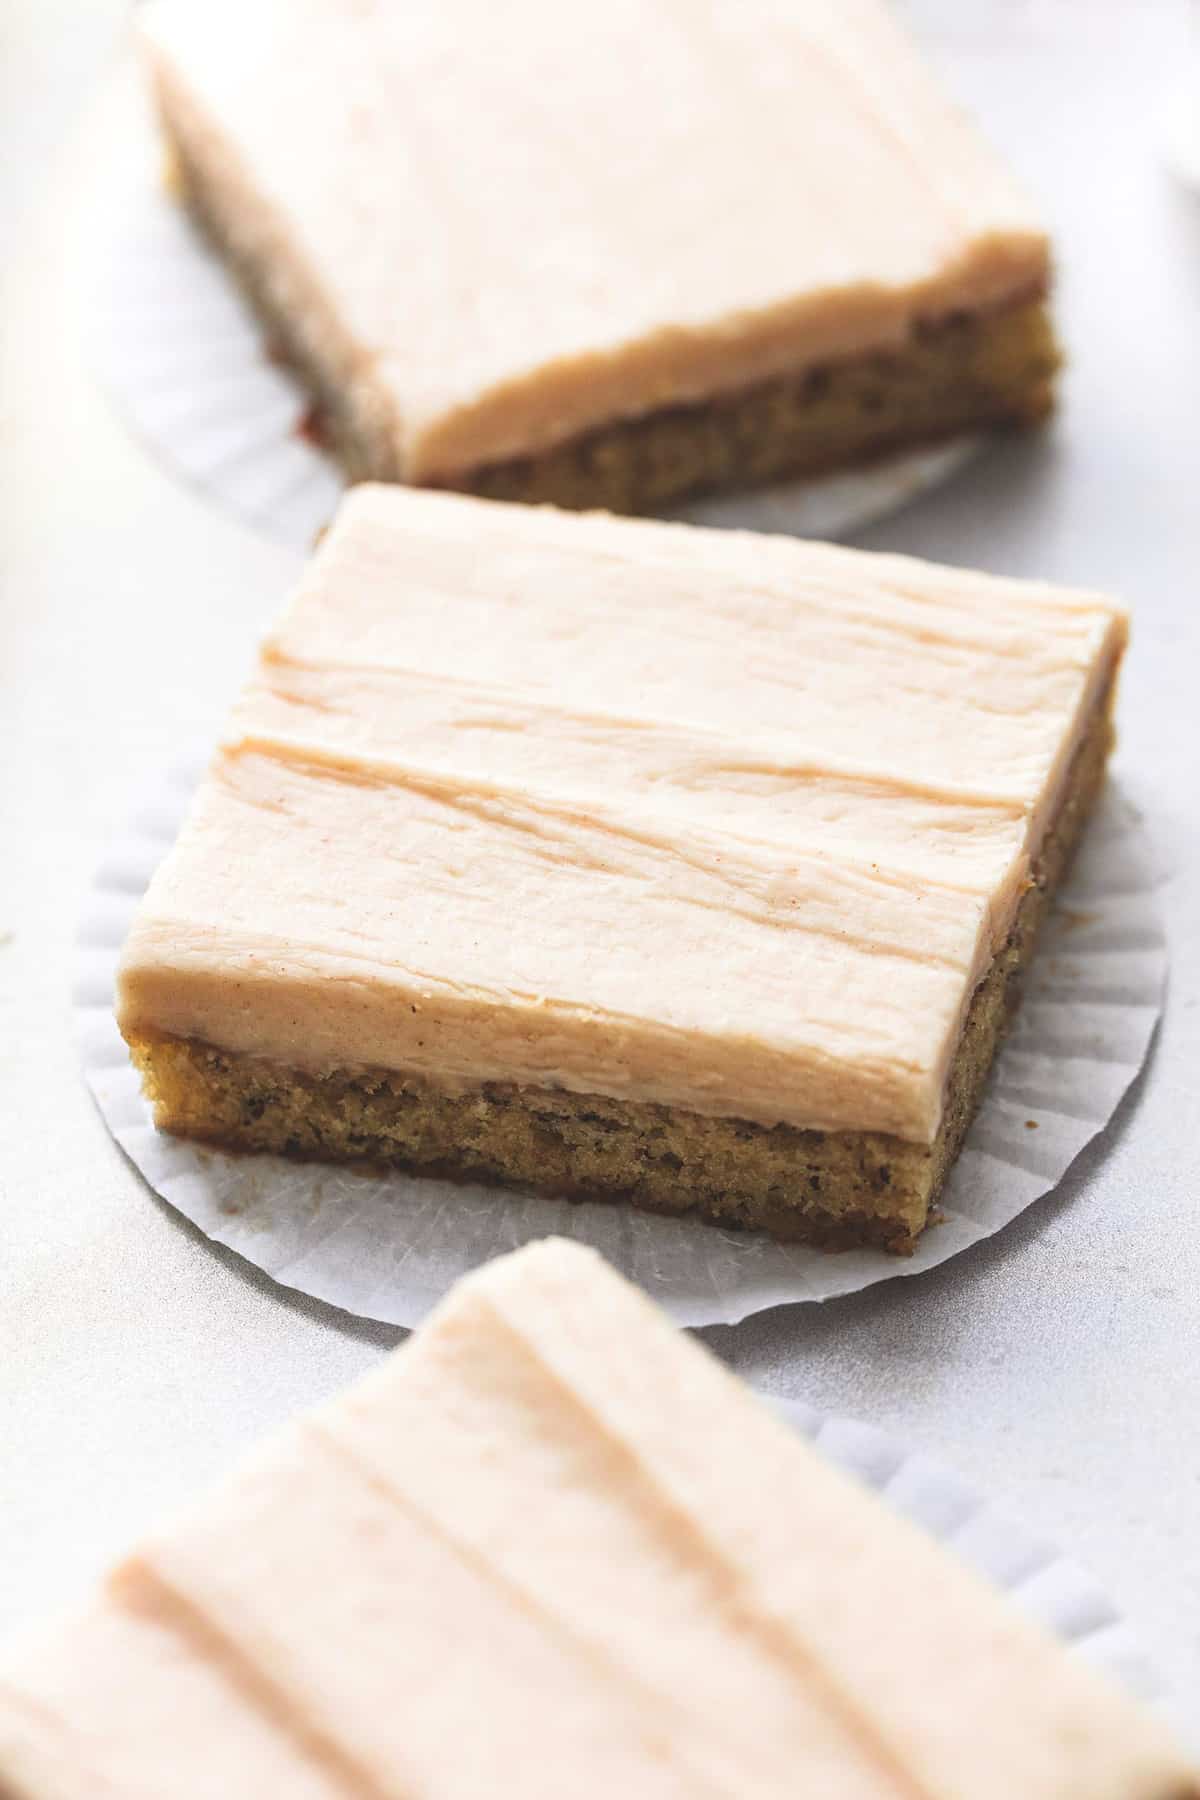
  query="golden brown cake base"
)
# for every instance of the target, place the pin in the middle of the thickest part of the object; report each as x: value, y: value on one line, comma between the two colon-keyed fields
x: 834, y: 1189
x: 959, y: 373
x: 963, y: 373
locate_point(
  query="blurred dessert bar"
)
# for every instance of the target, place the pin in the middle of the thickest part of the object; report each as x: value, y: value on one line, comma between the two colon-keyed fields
x: 550, y: 1547
x: 613, y: 256
x: 623, y: 859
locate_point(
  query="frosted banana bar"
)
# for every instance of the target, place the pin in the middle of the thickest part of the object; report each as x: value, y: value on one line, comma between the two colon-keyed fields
x: 624, y: 859
x: 551, y: 1547
x: 607, y: 261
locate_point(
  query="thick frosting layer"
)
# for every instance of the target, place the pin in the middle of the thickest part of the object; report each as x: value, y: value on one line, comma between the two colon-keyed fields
x: 722, y: 821
x: 551, y: 1547
x: 504, y: 225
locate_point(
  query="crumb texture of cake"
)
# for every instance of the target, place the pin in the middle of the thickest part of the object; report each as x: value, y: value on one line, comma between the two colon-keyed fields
x: 682, y: 249
x: 619, y: 857
x: 551, y: 1547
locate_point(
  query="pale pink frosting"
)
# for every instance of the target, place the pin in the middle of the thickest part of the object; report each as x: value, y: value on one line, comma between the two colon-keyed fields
x: 551, y: 1547
x: 716, y: 820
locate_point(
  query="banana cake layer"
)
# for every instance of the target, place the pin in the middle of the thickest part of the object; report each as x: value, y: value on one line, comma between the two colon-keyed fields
x: 612, y: 261
x: 623, y: 858
x: 551, y: 1547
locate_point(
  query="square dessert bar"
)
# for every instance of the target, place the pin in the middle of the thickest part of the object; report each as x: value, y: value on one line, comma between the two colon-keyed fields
x: 551, y: 1548
x: 622, y: 858
x: 607, y: 256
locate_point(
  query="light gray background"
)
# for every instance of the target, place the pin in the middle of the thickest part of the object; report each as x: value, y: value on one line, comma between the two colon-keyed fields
x: 1056, y: 1366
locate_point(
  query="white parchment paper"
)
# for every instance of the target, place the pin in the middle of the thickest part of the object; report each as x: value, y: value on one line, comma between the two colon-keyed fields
x: 1048, y: 1586
x: 187, y: 365
x: 388, y: 1247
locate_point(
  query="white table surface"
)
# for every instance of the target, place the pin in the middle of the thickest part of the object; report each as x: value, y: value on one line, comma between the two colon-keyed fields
x: 1055, y: 1366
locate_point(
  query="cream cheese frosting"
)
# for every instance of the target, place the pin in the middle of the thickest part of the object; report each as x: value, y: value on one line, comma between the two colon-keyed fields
x: 502, y: 226
x: 551, y: 1547
x: 723, y: 821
